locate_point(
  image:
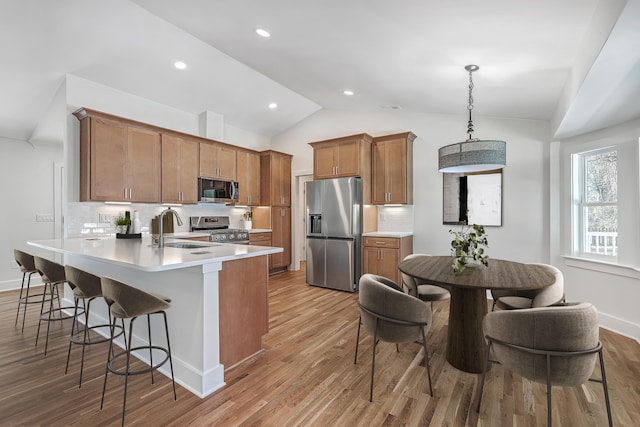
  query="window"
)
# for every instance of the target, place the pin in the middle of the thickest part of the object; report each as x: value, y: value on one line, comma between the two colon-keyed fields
x: 596, y: 203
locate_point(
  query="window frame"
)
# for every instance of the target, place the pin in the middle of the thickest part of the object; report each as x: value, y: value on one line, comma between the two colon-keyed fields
x: 579, y: 204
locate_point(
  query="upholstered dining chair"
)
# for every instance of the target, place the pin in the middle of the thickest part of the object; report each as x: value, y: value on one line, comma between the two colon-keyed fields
x: 544, y: 297
x: 423, y: 291
x: 550, y: 345
x: 390, y: 315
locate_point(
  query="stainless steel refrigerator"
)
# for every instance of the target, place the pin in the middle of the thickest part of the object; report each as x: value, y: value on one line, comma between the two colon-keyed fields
x: 334, y: 230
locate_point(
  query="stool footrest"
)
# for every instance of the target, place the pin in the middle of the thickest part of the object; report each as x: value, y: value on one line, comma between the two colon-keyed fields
x: 45, y: 314
x: 140, y: 371
x: 78, y: 336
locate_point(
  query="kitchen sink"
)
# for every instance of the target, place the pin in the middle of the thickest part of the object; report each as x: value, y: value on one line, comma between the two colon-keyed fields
x: 185, y: 245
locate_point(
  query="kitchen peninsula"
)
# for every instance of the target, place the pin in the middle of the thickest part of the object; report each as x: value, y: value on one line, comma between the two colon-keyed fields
x: 219, y: 309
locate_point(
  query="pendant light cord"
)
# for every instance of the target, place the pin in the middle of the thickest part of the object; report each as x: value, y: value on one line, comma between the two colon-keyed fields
x: 470, y: 107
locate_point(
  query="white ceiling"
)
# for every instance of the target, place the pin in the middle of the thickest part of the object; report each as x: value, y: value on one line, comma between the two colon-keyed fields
x: 408, y: 54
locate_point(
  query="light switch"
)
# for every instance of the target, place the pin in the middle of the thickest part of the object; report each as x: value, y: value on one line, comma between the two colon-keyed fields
x: 44, y: 217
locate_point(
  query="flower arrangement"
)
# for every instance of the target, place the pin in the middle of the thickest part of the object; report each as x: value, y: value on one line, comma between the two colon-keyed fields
x: 468, y: 247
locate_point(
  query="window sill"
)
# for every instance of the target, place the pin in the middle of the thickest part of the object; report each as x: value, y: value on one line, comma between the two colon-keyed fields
x: 602, y: 266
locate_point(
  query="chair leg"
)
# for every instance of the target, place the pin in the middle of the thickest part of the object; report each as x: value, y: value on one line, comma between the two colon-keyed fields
x: 75, y: 314
x: 426, y: 360
x: 484, y: 374
x: 24, y: 310
x: 85, y: 337
x: 355, y: 359
x: 549, y: 417
x: 44, y: 295
x: 166, y: 329
x: 150, y: 345
x: 109, y: 356
x: 24, y: 275
x: 606, y: 388
x: 373, y: 359
x: 126, y: 372
x: 46, y: 342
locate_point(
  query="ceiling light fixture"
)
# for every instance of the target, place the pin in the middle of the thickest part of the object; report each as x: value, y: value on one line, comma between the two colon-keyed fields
x: 262, y: 33
x: 348, y: 92
x: 180, y: 65
x: 273, y: 105
x: 472, y: 155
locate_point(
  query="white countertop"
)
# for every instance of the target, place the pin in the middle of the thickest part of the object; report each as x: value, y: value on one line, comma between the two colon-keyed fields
x: 139, y: 254
x: 388, y: 234
x: 259, y: 230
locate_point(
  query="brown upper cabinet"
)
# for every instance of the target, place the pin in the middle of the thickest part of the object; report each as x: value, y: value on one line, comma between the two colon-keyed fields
x: 342, y: 157
x: 218, y: 161
x: 275, y: 181
x: 118, y: 161
x: 392, y: 169
x: 179, y: 170
x: 248, y: 178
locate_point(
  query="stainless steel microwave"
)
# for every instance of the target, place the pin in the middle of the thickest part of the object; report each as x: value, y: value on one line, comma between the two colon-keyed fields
x: 217, y: 191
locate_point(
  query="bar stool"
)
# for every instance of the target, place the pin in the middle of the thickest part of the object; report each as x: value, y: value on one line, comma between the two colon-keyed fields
x: 87, y: 287
x: 53, y: 275
x: 27, y: 267
x: 126, y: 302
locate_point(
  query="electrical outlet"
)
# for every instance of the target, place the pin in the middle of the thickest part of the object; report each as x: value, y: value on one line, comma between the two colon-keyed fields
x: 13, y: 264
x: 104, y: 217
x: 44, y: 217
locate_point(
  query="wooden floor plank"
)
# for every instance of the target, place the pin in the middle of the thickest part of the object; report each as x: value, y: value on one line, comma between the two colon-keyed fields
x: 305, y: 377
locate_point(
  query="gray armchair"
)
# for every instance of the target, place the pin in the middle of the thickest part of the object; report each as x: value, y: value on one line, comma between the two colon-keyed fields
x: 392, y: 316
x: 544, y: 297
x: 423, y: 291
x: 549, y: 345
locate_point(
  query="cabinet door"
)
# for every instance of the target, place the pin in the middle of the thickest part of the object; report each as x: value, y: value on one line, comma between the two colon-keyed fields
x: 170, y: 165
x: 208, y: 160
x: 188, y: 171
x: 378, y: 187
x: 396, y: 170
x: 370, y: 260
x: 388, y: 264
x: 248, y: 169
x: 280, y: 181
x: 226, y: 163
x: 348, y: 159
x: 108, y: 160
x: 281, y: 236
x: 143, y: 165
x: 324, y: 162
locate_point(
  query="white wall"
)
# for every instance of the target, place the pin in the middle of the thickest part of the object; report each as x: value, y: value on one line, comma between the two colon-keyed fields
x: 525, y: 230
x: 26, y: 183
x: 613, y: 289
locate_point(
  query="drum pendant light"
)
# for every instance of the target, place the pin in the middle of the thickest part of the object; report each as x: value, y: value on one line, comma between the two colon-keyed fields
x: 472, y: 155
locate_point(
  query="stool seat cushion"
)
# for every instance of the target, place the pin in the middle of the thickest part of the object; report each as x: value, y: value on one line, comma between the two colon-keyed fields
x: 86, y: 284
x: 127, y: 302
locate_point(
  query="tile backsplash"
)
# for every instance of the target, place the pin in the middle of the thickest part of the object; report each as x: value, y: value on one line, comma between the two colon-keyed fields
x: 395, y: 218
x: 96, y: 219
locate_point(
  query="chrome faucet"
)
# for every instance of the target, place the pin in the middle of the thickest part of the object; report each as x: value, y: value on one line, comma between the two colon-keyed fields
x: 160, y: 220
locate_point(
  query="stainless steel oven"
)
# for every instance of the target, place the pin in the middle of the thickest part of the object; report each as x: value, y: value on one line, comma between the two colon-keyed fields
x: 219, y: 231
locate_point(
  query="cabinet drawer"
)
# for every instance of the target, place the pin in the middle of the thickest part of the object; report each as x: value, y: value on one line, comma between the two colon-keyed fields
x: 382, y: 242
x: 259, y: 237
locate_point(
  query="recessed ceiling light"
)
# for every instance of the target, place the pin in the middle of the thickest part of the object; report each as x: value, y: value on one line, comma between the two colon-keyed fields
x: 180, y: 65
x: 348, y: 92
x: 262, y: 33
x: 273, y: 105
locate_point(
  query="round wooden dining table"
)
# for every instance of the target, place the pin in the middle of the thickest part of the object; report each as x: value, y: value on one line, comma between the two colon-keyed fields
x: 466, y: 346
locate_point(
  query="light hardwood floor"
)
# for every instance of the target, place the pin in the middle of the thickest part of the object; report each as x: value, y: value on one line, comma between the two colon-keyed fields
x: 305, y: 377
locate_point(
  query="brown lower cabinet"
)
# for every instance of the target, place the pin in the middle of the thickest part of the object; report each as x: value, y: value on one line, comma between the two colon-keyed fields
x: 244, y: 308
x: 381, y: 255
x: 260, y: 239
x: 280, y: 237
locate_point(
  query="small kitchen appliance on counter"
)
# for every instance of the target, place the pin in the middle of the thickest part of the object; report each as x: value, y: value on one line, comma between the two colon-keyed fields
x: 219, y: 231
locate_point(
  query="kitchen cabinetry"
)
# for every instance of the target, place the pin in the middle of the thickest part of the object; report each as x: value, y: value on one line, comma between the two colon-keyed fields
x: 118, y: 162
x: 280, y: 237
x: 179, y: 170
x: 218, y: 161
x: 344, y: 157
x: 275, y: 182
x: 248, y: 164
x: 381, y: 255
x: 392, y: 169
x: 260, y: 239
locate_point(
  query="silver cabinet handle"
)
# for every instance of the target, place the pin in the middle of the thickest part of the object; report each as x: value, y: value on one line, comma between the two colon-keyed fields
x: 130, y: 193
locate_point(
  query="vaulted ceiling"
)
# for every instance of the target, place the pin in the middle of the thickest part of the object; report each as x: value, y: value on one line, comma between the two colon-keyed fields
x: 575, y: 63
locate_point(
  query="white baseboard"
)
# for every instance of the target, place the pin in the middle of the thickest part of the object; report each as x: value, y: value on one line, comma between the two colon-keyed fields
x: 10, y: 285
x: 620, y: 326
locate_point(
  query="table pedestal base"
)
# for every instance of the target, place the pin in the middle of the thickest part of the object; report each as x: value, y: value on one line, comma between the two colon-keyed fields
x: 466, y: 347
